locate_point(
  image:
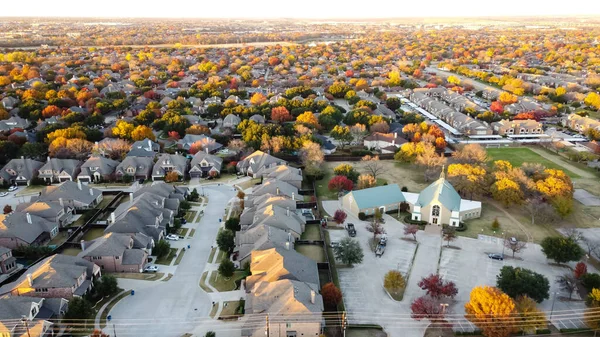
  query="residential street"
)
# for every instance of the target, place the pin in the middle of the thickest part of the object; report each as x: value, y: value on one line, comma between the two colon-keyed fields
x: 178, y: 306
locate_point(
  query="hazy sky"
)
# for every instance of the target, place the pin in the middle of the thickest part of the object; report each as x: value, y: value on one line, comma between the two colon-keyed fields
x: 296, y: 9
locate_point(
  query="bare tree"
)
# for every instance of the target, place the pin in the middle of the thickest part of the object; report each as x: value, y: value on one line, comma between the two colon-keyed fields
x: 567, y: 283
x: 375, y: 227
x: 411, y: 230
x: 515, y: 246
x: 358, y: 132
x: 449, y: 234
x: 372, y: 165
x: 591, y: 247
x: 540, y: 211
x: 573, y: 233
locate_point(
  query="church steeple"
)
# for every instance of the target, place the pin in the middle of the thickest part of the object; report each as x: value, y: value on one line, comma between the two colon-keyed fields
x: 442, y: 174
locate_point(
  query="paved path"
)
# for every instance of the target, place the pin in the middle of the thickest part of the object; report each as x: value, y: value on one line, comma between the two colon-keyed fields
x: 508, y: 215
x: 563, y: 163
x: 178, y: 306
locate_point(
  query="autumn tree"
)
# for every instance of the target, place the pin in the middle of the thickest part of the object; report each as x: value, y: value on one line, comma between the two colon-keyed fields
x: 123, y: 129
x: 347, y: 171
x: 258, y: 99
x: 437, y: 288
x: 366, y: 181
x: 467, y: 179
x: 342, y: 135
x: 308, y: 119
x: 507, y: 98
x: 280, y: 114
x: 507, y: 192
x: 556, y: 183
x: 340, y: 216
x: 197, y: 129
x: 382, y: 127
x: 358, y: 132
x: 430, y: 160
x: 580, y: 270
x: 411, y: 230
x: 171, y: 177
x: 529, y: 317
x: 51, y: 110
x: 311, y: 154
x: 425, y: 307
x: 142, y: 132
x: 471, y: 154
x: 332, y: 296
x: 339, y: 183
x: 374, y: 226
x: 115, y: 149
x: 492, y: 311
x: 394, y: 281
x: 7, y: 209
x: 449, y: 234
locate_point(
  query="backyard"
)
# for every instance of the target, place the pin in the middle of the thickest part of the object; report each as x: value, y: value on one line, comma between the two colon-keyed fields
x: 222, y: 284
x: 93, y: 233
x: 314, y: 252
x: 71, y: 251
x: 311, y: 233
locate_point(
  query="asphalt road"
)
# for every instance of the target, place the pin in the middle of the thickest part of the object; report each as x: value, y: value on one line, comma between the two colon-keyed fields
x: 178, y: 306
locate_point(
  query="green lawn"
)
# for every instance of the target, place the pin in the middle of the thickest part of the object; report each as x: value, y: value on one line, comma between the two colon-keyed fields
x: 166, y: 260
x: 59, y: 239
x: 314, y: 252
x: 203, y: 282
x: 213, y: 250
x: 93, y: 233
x: 222, y: 255
x: 179, y: 257
x: 322, y: 191
x: 192, y: 232
x: 221, y: 284
x: 230, y: 308
x: 311, y: 232
x: 182, y: 231
x: 518, y: 156
x: 139, y: 276
x: 190, y: 216
x: 71, y: 251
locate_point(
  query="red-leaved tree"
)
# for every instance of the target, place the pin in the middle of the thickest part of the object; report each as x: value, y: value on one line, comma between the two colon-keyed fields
x: 339, y: 183
x: 497, y: 107
x: 280, y: 114
x: 332, y: 296
x: 340, y: 216
x: 426, y: 308
x: 437, y: 288
x: 411, y: 230
x: 580, y: 270
x: 174, y: 135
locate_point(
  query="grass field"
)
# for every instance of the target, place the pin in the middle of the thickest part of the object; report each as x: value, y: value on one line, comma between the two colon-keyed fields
x: 518, y: 156
x: 229, y: 309
x: 212, y: 254
x: 312, y: 233
x: 92, y: 234
x: 190, y: 216
x: 179, y: 257
x: 192, y: 233
x: 221, y: 284
x: 166, y: 260
x: 182, y: 231
x: 314, y: 252
x: 203, y: 282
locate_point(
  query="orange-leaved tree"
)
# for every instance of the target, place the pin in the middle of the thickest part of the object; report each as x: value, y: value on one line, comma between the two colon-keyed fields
x: 492, y: 311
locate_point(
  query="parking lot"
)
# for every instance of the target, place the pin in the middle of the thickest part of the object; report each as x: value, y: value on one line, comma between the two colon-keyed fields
x: 470, y: 266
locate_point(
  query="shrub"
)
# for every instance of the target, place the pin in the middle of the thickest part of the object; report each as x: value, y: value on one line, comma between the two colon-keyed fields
x: 361, y: 152
x: 590, y: 281
x: 404, y: 189
x: 362, y: 216
x: 461, y: 227
x: 226, y: 268
x: 408, y: 219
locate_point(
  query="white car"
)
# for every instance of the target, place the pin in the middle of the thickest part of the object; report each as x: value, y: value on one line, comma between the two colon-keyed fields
x: 3, y: 194
x: 173, y: 237
x: 150, y: 269
x: 13, y: 188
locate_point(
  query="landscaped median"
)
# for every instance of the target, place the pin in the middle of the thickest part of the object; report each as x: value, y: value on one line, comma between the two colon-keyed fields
x: 203, y: 282
x: 139, y: 276
x: 104, y: 313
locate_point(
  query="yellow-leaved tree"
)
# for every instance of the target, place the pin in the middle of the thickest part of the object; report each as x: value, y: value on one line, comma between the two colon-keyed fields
x: 492, y: 311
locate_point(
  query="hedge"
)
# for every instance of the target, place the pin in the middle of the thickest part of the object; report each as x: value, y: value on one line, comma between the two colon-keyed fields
x: 461, y: 227
x: 408, y: 219
x: 543, y: 332
x: 468, y: 333
x: 361, y: 152
x: 575, y: 330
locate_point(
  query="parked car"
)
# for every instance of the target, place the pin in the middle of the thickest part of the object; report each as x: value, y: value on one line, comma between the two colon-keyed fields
x: 13, y: 188
x: 380, y: 250
x: 173, y: 237
x: 3, y: 194
x: 150, y: 269
x: 351, y: 230
x: 334, y: 244
x: 513, y: 241
x: 383, y: 240
x: 496, y: 256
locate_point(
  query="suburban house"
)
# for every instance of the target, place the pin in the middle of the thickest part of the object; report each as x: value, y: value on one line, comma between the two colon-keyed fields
x: 169, y: 163
x: 285, y: 284
x: 279, y: 217
x: 260, y: 237
x: 326, y: 145
x: 580, y: 124
x: 231, y: 121
x: 52, y: 211
x: 439, y: 203
x: 73, y: 194
x: 144, y: 148
x: 59, y: 170
x: 261, y: 202
x: 97, y: 169
x: 517, y: 127
x: 204, y: 164
x: 114, y: 253
x: 296, y: 308
x: 255, y: 163
x: 276, y: 187
x: 30, y: 316
x: 288, y: 174
x: 8, y: 263
x: 14, y: 123
x: 207, y: 143
x: 20, y: 171
x: 57, y: 276
x: 23, y: 229
x: 523, y: 106
x: 384, y: 142
x: 135, y: 167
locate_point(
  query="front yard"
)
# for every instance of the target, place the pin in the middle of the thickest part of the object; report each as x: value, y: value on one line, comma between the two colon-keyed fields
x: 166, y: 260
x: 222, y: 284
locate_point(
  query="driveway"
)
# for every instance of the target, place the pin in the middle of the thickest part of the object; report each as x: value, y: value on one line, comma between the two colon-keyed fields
x: 178, y: 306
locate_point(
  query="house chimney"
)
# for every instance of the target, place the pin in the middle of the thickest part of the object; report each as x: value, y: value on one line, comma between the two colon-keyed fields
x: 206, y: 150
x: 149, y: 144
x: 82, y: 242
x: 61, y: 202
x: 312, y: 296
x: 395, y: 135
x: 287, y: 245
x: 91, y: 191
x: 112, y: 217
x: 277, y: 191
x: 288, y: 211
x: 79, y: 184
x: 28, y: 218
x: 293, y: 195
x: 48, y: 158
x: 30, y: 280
x: 131, y: 198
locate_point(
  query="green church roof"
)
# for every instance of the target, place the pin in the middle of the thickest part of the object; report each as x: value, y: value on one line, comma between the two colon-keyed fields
x: 378, y: 196
x: 442, y: 191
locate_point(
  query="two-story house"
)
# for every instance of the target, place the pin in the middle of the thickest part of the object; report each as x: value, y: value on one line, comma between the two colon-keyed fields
x: 114, y: 253
x: 20, y: 171
x: 73, y: 194
x: 169, y: 163
x: 144, y: 148
x: 30, y: 316
x: 59, y: 170
x: 53, y: 211
x: 97, y: 169
x: 57, y: 276
x: 204, y: 164
x: 23, y: 229
x: 8, y: 263
x: 135, y: 167
x: 255, y: 163
x: 517, y: 127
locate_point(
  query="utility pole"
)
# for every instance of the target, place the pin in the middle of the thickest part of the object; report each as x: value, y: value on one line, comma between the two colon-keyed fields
x: 344, y: 321
x: 267, y: 327
x: 24, y: 321
x: 114, y: 330
x: 552, y: 309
